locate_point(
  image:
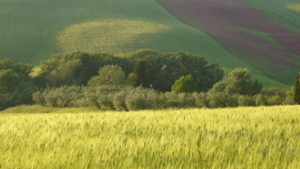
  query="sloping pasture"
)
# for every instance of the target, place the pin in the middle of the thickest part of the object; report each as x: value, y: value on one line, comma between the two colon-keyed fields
x: 244, y: 31
x: 260, y: 137
x: 33, y: 30
x: 284, y: 12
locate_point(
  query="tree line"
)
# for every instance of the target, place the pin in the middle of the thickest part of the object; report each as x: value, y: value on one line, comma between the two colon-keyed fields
x: 145, y: 79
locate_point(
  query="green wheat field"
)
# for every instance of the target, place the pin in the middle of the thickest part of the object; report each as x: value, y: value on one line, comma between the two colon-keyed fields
x: 260, y: 137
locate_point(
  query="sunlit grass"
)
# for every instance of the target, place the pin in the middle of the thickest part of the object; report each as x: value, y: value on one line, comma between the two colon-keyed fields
x: 284, y: 12
x: 113, y: 36
x: 261, y: 137
x: 295, y: 7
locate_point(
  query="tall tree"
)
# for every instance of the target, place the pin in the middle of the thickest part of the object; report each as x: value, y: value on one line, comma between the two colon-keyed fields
x: 238, y: 82
x: 184, y: 84
x: 23, y: 70
x: 108, y: 75
x: 140, y: 75
x: 297, y: 89
x: 8, y: 81
x: 6, y: 64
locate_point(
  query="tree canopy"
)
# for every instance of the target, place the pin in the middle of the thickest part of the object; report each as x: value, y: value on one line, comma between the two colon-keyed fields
x: 108, y: 75
x: 297, y: 89
x: 161, y: 69
x: 238, y: 82
x: 184, y: 84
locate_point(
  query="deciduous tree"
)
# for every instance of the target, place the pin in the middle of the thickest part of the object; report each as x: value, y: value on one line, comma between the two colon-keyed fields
x: 108, y: 75
x: 238, y: 82
x: 140, y: 75
x: 297, y: 89
x: 8, y: 81
x: 184, y: 84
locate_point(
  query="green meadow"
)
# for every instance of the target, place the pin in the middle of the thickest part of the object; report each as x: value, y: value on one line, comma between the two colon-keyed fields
x: 284, y: 12
x: 33, y: 30
x: 253, y: 137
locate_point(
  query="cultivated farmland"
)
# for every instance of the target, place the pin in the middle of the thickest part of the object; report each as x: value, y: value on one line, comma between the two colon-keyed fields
x: 261, y: 137
x: 33, y: 30
x: 247, y: 31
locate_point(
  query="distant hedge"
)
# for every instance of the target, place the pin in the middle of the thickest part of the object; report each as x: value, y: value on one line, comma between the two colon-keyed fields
x: 130, y: 98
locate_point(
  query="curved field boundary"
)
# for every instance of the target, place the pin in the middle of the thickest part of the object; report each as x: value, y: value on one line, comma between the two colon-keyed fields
x: 233, y: 25
x: 42, y: 23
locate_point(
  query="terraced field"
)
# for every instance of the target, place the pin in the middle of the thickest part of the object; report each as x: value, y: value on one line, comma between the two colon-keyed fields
x: 246, y: 31
x: 33, y: 30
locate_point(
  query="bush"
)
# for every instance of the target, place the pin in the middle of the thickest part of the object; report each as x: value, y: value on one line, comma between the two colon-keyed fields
x: 217, y: 100
x: 290, y: 98
x: 201, y: 100
x: 274, y: 100
x: 119, y: 101
x: 186, y: 100
x: 105, y: 101
x: 39, y: 98
x: 171, y: 100
x: 140, y: 98
x: 246, y: 101
x: 51, y: 98
x: 232, y: 100
x: 260, y: 100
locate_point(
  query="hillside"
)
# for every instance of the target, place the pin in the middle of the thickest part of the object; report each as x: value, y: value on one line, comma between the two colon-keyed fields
x: 34, y: 30
x: 265, y: 33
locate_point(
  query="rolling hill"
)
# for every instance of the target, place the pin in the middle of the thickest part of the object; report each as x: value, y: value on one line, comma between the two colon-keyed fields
x: 245, y: 30
x: 33, y: 30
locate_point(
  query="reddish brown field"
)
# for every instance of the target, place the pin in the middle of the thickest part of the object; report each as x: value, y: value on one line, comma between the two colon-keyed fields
x: 233, y: 24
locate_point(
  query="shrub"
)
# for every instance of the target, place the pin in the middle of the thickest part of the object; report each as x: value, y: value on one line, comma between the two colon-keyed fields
x: 201, y: 100
x: 186, y: 100
x: 290, y: 99
x: 171, y: 100
x: 274, y: 100
x: 232, y: 100
x: 119, y: 101
x: 244, y: 100
x: 140, y: 98
x: 105, y: 101
x: 51, y: 98
x: 260, y: 100
x: 217, y: 100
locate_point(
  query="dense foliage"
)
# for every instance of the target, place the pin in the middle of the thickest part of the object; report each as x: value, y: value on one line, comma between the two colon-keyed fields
x: 164, y: 69
x: 76, y: 68
x: 108, y: 75
x: 139, y: 98
x: 16, y: 86
x: 297, y: 89
x: 145, y: 79
x: 184, y: 84
x: 150, y: 67
x: 238, y: 82
x: 139, y: 75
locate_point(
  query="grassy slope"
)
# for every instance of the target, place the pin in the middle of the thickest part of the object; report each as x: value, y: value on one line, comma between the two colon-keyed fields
x: 260, y: 137
x: 33, y: 30
x: 284, y: 12
x: 245, y: 31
